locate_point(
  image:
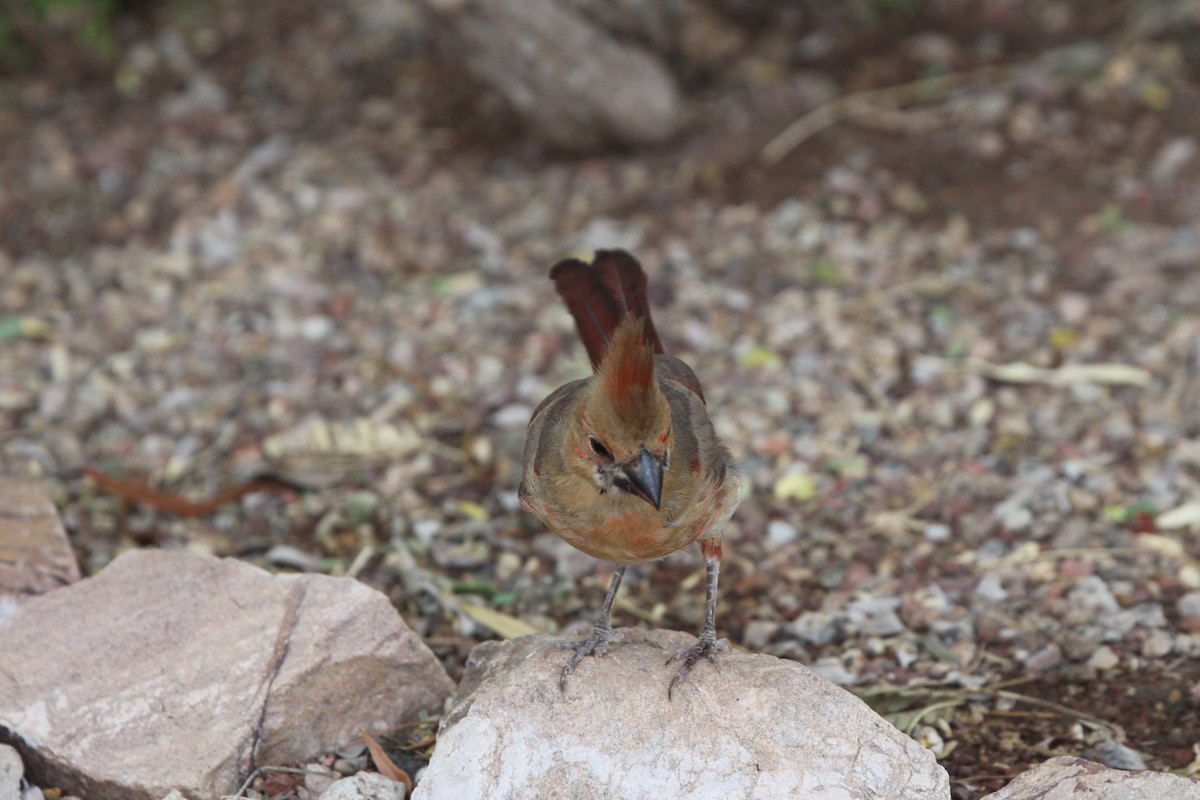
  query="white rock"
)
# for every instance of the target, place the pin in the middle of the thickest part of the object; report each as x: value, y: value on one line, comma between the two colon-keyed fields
x: 780, y: 532
x: 815, y: 627
x: 1189, y: 605
x: 1091, y: 595
x: 11, y: 770
x: 1119, y: 756
x: 937, y: 532
x: 1104, y: 658
x: 365, y: 786
x: 990, y: 588
x: 748, y: 726
x: 1067, y: 778
x: 105, y: 678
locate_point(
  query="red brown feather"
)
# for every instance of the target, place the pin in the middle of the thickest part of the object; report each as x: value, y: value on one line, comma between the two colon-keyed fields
x: 600, y: 295
x: 628, y: 371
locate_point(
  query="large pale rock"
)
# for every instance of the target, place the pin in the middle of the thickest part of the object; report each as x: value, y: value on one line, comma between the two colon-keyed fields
x: 1066, y: 778
x: 172, y: 670
x: 750, y: 726
x: 35, y: 555
x: 572, y: 81
x: 11, y: 770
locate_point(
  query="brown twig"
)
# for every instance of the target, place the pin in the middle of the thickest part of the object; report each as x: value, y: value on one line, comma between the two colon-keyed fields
x: 872, y: 101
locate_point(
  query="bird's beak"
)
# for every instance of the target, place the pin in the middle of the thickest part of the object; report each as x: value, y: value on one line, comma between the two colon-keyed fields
x: 645, y: 475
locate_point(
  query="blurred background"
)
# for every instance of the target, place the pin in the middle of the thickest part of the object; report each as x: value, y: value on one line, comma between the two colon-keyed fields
x: 935, y: 262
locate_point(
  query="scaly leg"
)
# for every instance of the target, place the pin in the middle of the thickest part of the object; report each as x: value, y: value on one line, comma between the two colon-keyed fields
x: 597, y: 643
x: 707, y: 645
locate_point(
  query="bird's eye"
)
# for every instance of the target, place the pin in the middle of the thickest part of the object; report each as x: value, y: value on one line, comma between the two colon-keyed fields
x: 599, y: 449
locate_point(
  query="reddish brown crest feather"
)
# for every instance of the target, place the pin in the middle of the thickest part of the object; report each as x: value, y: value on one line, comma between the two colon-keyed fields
x: 599, y: 295
x: 596, y: 315
x: 628, y: 370
x: 626, y: 283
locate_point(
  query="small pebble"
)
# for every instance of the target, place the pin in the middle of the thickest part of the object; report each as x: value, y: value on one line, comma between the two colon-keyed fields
x: 1158, y: 643
x: 286, y: 555
x: 989, y: 588
x: 780, y: 532
x: 349, y: 766
x: 514, y: 415
x: 1048, y: 657
x: 814, y: 627
x: 1091, y: 594
x: 1118, y: 756
x: 426, y: 529
x: 936, y: 532
x: 758, y: 633
x: 831, y: 670
x: 317, y: 777
x: 1189, y: 605
x: 1104, y: 658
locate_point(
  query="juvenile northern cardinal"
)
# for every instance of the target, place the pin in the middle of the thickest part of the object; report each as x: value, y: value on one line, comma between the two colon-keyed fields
x: 625, y: 465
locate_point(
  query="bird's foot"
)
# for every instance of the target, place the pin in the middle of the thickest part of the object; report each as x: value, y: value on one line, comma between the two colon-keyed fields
x: 596, y: 644
x: 706, y: 646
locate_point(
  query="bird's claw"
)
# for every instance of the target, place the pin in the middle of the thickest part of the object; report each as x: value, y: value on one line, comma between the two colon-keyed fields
x: 706, y: 646
x: 596, y: 644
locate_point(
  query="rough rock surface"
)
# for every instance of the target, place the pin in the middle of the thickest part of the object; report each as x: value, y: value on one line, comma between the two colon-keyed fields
x: 11, y: 770
x: 1066, y: 778
x: 364, y: 786
x: 172, y: 670
x: 35, y: 555
x: 751, y: 726
x: 568, y: 78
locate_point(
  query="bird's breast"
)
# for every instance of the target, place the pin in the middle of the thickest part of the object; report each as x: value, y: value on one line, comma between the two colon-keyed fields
x: 628, y: 537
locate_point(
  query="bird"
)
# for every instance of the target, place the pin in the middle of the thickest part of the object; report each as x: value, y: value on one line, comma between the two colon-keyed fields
x: 624, y: 464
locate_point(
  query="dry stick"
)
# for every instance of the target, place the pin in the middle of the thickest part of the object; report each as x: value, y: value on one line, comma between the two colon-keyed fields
x: 1059, y: 709
x: 870, y: 102
x: 929, y: 709
x: 1112, y: 727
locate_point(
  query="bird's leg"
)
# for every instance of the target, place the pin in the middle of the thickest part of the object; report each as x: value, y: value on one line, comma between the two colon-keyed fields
x: 597, y: 643
x: 707, y: 645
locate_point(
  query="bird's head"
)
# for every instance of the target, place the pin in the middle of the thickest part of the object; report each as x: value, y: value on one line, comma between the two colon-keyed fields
x: 624, y: 437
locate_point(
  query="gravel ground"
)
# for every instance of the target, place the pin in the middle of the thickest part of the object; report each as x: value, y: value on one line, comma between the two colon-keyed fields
x: 293, y: 241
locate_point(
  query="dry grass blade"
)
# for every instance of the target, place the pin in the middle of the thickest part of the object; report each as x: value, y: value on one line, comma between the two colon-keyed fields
x: 872, y: 102
x: 1117, y: 732
x: 1019, y: 372
x: 498, y: 622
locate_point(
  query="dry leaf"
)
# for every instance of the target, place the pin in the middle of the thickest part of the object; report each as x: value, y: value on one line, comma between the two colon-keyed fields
x: 1184, y: 516
x: 498, y: 622
x: 795, y: 486
x: 387, y: 768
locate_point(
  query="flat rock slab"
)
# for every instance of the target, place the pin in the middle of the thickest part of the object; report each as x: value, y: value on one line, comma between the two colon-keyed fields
x: 35, y: 554
x: 173, y: 670
x: 750, y: 726
x: 1067, y: 778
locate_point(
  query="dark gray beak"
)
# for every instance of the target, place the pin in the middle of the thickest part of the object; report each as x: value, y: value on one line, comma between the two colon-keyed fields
x: 645, y: 474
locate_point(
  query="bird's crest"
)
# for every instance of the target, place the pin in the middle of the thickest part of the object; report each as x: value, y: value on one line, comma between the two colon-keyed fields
x: 601, y: 295
x: 627, y: 371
